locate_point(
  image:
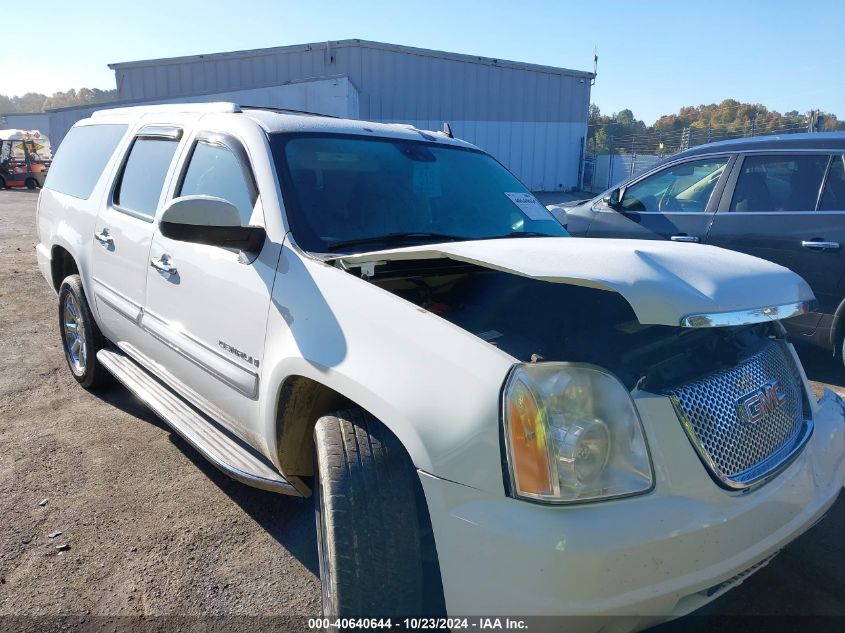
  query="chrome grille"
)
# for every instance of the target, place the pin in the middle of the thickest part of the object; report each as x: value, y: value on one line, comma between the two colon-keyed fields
x: 740, y: 450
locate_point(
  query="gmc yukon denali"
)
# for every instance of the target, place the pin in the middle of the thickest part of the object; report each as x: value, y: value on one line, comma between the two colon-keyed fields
x: 493, y: 417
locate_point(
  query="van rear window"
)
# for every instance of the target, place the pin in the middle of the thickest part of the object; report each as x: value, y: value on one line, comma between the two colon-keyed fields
x: 81, y: 158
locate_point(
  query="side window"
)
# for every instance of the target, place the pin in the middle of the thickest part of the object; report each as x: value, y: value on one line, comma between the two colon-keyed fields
x: 779, y: 183
x: 833, y: 198
x: 214, y: 170
x: 81, y: 158
x: 682, y: 188
x: 139, y: 185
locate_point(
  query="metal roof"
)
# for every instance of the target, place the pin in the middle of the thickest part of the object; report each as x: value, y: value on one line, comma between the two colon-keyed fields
x: 818, y: 140
x: 355, y: 43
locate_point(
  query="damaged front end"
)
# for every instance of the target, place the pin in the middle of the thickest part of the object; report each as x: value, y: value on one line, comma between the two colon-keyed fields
x: 734, y: 382
x: 534, y: 320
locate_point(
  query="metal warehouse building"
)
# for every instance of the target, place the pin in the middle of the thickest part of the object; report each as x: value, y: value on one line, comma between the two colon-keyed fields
x: 532, y: 118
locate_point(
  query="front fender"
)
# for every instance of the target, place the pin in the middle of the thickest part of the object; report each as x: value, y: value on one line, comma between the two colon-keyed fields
x: 434, y: 385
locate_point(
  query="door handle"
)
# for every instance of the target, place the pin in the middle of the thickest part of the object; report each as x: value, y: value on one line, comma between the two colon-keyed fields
x: 104, y: 238
x: 684, y: 238
x: 162, y: 264
x: 819, y: 245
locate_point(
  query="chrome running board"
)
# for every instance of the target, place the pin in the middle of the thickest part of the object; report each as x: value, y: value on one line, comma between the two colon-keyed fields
x: 231, y: 455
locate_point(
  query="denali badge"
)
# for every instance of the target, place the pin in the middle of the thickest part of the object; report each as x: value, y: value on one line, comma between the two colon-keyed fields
x: 754, y: 406
x: 249, y: 359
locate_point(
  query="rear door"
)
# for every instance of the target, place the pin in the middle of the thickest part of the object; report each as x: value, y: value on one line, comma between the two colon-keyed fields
x: 676, y: 202
x: 773, y: 208
x: 124, y: 230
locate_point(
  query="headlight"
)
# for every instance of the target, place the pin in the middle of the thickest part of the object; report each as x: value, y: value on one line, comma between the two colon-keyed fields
x: 573, y: 434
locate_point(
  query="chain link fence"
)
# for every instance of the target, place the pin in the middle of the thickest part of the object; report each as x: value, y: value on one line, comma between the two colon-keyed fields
x: 609, y: 159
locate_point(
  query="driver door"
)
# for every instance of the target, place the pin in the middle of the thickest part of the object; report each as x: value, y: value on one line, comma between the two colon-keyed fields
x: 206, y: 306
x: 675, y: 203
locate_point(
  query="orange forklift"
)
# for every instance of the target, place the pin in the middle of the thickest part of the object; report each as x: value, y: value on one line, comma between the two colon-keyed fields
x: 25, y: 157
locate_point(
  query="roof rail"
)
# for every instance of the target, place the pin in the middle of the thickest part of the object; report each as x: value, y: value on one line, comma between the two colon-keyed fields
x: 286, y: 111
x: 221, y: 107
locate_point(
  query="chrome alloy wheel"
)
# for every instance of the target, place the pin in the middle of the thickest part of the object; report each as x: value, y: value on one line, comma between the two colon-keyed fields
x: 74, y: 335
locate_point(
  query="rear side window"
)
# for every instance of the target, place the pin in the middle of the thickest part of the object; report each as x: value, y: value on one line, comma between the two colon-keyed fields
x: 140, y: 183
x: 215, y: 171
x: 833, y: 198
x: 81, y: 158
x: 779, y: 183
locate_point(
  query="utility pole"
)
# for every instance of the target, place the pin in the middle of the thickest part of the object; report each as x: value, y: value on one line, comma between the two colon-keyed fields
x: 753, y: 125
x: 685, y: 139
x: 709, y: 131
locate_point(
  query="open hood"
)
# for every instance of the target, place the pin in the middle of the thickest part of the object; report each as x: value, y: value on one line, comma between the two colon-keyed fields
x: 666, y: 283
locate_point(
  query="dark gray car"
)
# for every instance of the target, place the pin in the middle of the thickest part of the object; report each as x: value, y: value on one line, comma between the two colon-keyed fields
x: 781, y: 198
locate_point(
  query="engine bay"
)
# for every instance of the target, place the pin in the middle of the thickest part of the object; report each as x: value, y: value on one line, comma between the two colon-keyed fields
x: 535, y: 320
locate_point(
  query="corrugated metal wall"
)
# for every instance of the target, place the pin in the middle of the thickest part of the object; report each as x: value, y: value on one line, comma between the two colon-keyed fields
x: 335, y: 96
x: 34, y: 121
x: 531, y: 118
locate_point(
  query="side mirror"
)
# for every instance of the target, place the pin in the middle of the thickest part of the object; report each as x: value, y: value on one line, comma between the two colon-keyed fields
x: 613, y: 199
x: 558, y: 212
x: 209, y: 220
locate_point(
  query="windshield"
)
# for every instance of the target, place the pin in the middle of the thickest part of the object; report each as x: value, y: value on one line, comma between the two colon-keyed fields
x: 351, y: 194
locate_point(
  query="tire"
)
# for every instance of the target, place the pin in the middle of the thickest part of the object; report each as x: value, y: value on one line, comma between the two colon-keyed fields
x: 81, y: 336
x: 31, y: 184
x: 366, y: 502
x: 841, y: 350
x: 2, y: 183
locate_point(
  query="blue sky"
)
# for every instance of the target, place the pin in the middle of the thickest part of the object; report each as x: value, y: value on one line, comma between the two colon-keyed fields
x: 654, y: 57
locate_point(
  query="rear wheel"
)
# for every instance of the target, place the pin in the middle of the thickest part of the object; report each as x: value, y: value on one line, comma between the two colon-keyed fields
x: 2, y: 183
x: 31, y: 183
x: 369, y: 536
x: 81, y: 336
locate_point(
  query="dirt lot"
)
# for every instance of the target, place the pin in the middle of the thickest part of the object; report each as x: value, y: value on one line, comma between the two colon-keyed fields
x: 153, y: 530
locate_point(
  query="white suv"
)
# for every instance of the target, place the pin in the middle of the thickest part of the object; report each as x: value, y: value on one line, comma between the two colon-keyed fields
x: 493, y: 417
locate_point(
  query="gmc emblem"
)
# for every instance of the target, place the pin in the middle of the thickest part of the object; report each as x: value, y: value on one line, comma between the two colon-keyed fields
x: 756, y: 405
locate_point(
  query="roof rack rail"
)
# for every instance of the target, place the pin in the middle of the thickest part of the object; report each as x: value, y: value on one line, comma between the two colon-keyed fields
x: 286, y: 111
x: 183, y: 107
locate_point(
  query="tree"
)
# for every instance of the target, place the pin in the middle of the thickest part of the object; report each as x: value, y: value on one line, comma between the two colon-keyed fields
x: 693, y: 125
x: 37, y: 102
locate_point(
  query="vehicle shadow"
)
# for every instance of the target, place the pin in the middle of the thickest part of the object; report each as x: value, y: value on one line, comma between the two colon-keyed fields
x: 289, y: 520
x: 18, y: 190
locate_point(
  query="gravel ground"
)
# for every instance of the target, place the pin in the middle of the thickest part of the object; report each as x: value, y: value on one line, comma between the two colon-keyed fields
x: 104, y: 513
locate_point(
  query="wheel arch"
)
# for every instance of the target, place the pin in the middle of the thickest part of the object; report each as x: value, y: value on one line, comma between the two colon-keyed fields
x: 301, y: 399
x: 300, y: 402
x: 837, y: 328
x: 62, y: 264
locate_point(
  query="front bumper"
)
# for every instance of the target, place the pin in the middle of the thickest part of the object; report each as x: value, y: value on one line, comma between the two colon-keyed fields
x: 650, y: 557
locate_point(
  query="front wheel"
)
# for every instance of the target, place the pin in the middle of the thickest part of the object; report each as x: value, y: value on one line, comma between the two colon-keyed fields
x: 81, y: 336
x: 369, y: 537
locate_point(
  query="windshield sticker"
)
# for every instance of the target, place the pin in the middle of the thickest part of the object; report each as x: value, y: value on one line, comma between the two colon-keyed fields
x: 426, y: 180
x: 529, y: 205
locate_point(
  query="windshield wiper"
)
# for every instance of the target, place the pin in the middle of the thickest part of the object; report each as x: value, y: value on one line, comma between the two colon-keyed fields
x: 521, y: 234
x: 393, y: 238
